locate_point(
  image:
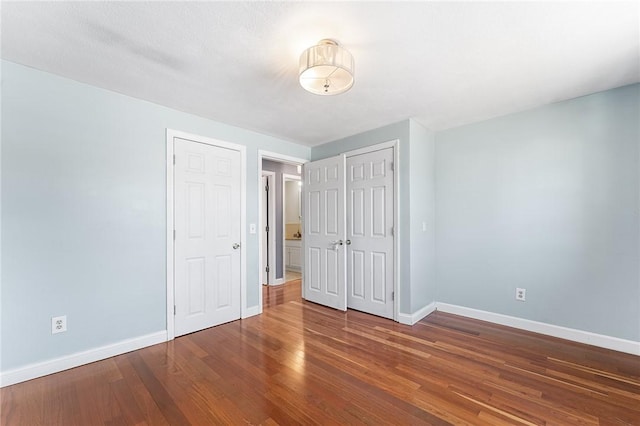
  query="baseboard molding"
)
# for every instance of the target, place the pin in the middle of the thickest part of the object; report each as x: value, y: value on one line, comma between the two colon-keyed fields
x: 56, y: 365
x: 586, y: 337
x: 277, y: 281
x: 410, y: 319
x: 252, y: 311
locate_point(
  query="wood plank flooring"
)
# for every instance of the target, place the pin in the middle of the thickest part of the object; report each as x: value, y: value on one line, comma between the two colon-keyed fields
x: 300, y: 363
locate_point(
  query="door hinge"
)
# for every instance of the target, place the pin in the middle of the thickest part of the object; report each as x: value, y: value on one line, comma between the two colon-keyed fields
x: 174, y: 159
x: 266, y: 269
x: 266, y: 229
x: 174, y: 234
x: 174, y: 309
x: 392, y: 166
x: 393, y: 295
x: 392, y: 231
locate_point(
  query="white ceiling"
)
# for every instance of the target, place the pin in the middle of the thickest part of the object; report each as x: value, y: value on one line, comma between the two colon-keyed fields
x: 442, y: 63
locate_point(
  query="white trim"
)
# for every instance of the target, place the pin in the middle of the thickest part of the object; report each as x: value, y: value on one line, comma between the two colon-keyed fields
x: 396, y: 228
x: 580, y: 336
x: 252, y: 311
x: 171, y: 134
x: 410, y: 319
x: 272, y: 226
x: 395, y: 144
x: 280, y: 158
x: 56, y: 365
x: 269, y: 155
x: 290, y: 177
x: 372, y: 148
x: 169, y: 235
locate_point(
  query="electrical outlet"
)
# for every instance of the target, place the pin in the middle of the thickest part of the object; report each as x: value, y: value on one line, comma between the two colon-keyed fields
x: 59, y: 324
x: 521, y: 294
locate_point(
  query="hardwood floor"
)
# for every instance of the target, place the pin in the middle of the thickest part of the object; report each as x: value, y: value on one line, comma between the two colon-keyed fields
x: 300, y: 363
x: 292, y: 275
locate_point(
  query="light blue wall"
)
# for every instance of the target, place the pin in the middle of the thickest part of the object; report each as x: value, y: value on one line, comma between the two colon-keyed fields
x: 422, y: 208
x: 547, y: 200
x: 416, y: 170
x: 83, y: 212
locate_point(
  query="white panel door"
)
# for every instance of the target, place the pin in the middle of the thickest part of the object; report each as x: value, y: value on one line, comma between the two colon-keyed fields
x: 324, y: 230
x: 207, y: 241
x: 370, y: 245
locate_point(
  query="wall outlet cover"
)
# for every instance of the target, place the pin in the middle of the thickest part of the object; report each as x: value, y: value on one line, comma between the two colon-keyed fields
x: 58, y: 324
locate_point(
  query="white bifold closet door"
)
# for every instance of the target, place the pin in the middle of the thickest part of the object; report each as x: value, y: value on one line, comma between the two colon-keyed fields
x: 370, y: 272
x: 349, y: 237
x: 324, y: 229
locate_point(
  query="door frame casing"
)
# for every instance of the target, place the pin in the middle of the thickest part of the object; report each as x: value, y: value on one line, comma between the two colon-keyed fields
x: 170, y: 246
x: 395, y: 144
x: 272, y: 227
x: 281, y: 158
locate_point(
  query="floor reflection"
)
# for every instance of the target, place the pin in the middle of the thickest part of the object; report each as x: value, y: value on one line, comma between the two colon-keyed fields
x: 274, y: 295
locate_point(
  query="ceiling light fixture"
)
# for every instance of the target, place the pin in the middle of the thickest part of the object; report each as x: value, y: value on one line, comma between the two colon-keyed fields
x: 326, y: 69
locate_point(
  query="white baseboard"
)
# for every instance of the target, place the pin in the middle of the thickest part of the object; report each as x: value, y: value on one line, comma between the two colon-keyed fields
x: 277, y: 281
x: 40, y: 369
x: 410, y: 319
x: 600, y: 340
x: 252, y: 311
x: 33, y: 371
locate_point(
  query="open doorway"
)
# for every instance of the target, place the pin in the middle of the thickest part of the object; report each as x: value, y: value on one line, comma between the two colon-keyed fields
x: 292, y: 225
x: 281, y: 228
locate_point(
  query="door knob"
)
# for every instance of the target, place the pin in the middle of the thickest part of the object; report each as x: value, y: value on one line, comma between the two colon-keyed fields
x: 236, y: 246
x: 336, y: 243
x: 348, y: 242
